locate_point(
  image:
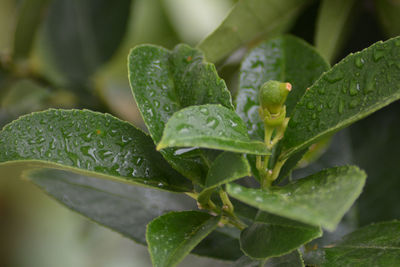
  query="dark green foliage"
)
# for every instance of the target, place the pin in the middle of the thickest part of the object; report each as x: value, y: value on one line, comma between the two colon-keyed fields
x: 212, y: 178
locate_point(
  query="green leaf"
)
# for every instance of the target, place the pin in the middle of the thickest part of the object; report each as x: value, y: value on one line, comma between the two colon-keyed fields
x: 373, y: 245
x: 87, y: 143
x: 333, y: 23
x: 388, y: 11
x: 210, y: 126
x: 292, y: 259
x: 227, y: 167
x: 78, y: 37
x: 320, y: 199
x: 30, y: 15
x: 163, y: 82
x: 283, y: 59
x: 273, y: 236
x: 172, y: 236
x: 124, y: 208
x: 219, y: 245
x: 375, y: 146
x: 357, y: 86
x: 247, y: 21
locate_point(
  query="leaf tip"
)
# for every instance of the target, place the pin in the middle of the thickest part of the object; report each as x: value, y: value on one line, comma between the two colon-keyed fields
x: 161, y: 146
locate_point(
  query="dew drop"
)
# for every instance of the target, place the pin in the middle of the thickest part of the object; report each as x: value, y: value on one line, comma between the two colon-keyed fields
x: 341, y: 107
x: 150, y: 112
x: 378, y: 54
x: 314, y: 116
x: 156, y: 103
x: 354, y: 103
x: 334, y: 76
x: 354, y: 88
x: 204, y: 110
x: 233, y: 124
x: 212, y: 122
x: 166, y: 108
x: 359, y: 61
x: 183, y: 128
x: 310, y: 105
x: 370, y: 85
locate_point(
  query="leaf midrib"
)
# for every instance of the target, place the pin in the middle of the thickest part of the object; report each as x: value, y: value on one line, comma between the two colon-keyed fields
x: 384, y: 102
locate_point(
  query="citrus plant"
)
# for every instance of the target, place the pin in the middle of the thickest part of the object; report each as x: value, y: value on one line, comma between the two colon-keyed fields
x: 211, y: 177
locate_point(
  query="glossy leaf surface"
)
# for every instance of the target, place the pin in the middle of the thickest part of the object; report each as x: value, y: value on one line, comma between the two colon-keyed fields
x: 292, y: 259
x: 226, y: 168
x: 172, y: 236
x: 88, y: 143
x: 354, y: 88
x: 122, y: 207
x: 373, y: 245
x: 249, y: 20
x: 285, y: 59
x: 163, y: 82
x: 333, y: 22
x: 320, y: 199
x: 210, y: 126
x: 272, y: 236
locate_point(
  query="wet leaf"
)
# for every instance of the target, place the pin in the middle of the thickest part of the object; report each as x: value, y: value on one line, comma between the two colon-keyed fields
x: 172, y: 236
x: 210, y: 126
x: 163, y: 82
x: 320, y: 199
x: 273, y: 236
x: 357, y: 86
x: 373, y: 245
x: 285, y: 59
x: 87, y: 143
x: 249, y: 20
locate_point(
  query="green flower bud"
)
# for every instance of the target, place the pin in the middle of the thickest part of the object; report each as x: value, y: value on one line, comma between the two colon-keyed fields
x: 273, y: 95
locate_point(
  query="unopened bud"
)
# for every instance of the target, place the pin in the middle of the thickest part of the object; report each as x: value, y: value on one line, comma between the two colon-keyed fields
x: 273, y: 95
